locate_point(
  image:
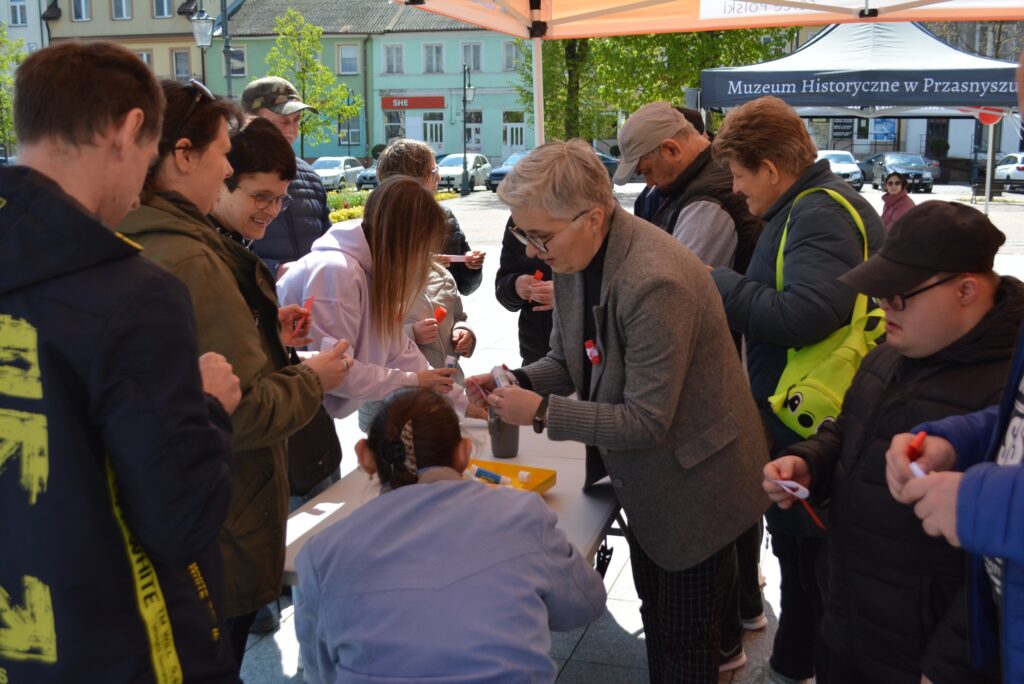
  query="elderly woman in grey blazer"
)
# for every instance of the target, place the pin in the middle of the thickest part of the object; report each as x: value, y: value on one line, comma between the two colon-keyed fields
x: 661, y: 401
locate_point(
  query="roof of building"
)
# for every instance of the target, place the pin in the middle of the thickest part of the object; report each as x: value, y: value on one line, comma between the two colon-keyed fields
x: 256, y: 17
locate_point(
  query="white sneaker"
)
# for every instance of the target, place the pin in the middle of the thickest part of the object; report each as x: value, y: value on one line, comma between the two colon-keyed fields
x: 734, y: 663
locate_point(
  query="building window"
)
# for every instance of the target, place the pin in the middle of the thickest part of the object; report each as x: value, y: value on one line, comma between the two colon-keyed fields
x: 511, y: 55
x: 350, y: 132
x: 348, y: 59
x: 146, y: 56
x: 433, y: 129
x: 19, y: 13
x: 433, y: 59
x: 394, y: 124
x: 472, y: 55
x: 161, y: 9
x: 122, y: 9
x: 181, y: 64
x: 238, y: 61
x: 474, y: 127
x: 81, y: 10
x: 394, y: 59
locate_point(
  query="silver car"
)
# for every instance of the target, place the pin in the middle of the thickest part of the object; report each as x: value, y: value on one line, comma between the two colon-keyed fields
x: 337, y: 172
x: 449, y: 170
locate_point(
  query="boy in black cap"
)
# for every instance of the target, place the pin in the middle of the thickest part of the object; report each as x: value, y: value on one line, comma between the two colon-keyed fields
x: 894, y: 597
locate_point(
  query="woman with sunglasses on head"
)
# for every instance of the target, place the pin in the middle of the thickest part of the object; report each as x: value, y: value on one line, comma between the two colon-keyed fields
x: 896, y: 199
x: 363, y: 278
x: 241, y: 181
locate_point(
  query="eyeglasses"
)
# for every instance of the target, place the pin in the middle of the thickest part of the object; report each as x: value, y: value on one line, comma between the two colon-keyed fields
x: 200, y: 92
x: 898, y: 302
x: 541, y: 244
x: 263, y: 200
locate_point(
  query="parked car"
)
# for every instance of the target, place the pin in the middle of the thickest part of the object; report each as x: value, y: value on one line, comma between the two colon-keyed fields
x: 498, y: 174
x: 8, y: 161
x: 845, y: 166
x: 367, y: 178
x: 1011, y: 170
x: 337, y: 172
x: 912, y: 166
x: 450, y: 170
x: 611, y: 163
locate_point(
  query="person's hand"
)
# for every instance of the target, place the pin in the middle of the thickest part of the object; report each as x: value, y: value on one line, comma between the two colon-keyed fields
x: 425, y: 331
x: 785, y: 468
x: 475, y: 259
x: 463, y: 340
x: 935, y: 454
x: 709, y: 267
x: 441, y: 380
x: 282, y: 268
x: 925, y: 680
x: 332, y: 366
x: 478, y: 387
x: 474, y: 411
x: 524, y: 286
x: 294, y: 325
x: 514, y: 405
x: 443, y: 260
x: 934, y: 498
x: 220, y: 381
x: 543, y: 293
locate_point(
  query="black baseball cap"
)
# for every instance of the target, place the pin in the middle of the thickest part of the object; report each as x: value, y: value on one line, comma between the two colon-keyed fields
x: 933, y: 237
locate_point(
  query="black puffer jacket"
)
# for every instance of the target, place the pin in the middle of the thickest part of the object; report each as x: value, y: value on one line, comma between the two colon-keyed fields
x: 823, y: 243
x: 99, y: 384
x: 534, y: 326
x: 894, y: 600
x: 291, y: 235
x: 467, y: 279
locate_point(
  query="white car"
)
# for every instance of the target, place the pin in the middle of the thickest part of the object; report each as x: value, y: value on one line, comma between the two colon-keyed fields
x: 450, y: 171
x: 337, y: 172
x: 845, y: 166
x: 1011, y: 170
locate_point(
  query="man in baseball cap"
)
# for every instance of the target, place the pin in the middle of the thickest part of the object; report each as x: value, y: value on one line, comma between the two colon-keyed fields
x: 699, y: 209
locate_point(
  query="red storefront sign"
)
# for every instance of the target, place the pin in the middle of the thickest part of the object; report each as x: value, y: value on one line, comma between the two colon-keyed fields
x: 432, y: 102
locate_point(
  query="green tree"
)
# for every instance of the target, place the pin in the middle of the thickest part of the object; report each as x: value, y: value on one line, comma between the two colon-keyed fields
x: 586, y: 81
x: 11, y: 55
x: 296, y: 57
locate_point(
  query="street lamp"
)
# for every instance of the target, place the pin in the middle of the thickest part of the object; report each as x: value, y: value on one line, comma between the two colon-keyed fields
x: 202, y: 30
x: 467, y: 97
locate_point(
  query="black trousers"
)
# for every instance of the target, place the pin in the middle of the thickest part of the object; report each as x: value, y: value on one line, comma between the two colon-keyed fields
x: 741, y: 598
x: 796, y: 649
x: 681, y: 615
x: 238, y: 632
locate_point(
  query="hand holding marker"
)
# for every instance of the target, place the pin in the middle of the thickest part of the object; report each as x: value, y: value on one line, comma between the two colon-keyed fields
x: 800, y: 493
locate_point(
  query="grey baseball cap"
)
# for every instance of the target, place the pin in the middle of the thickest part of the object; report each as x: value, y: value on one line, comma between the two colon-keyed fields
x: 642, y: 133
x: 273, y: 93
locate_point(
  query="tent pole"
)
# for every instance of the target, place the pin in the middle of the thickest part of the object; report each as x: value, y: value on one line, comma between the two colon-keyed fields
x: 538, y: 92
x: 988, y: 165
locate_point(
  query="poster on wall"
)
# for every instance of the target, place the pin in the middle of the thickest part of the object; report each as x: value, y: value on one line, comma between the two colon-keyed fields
x: 883, y: 130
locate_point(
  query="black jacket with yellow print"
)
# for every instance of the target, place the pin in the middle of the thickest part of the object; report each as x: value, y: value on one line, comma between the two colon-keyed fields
x: 114, y: 475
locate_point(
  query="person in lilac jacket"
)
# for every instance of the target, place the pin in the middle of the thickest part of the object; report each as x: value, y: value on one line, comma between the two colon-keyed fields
x: 439, y: 579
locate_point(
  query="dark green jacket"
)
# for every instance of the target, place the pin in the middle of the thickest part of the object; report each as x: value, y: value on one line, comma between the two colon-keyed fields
x: 236, y: 315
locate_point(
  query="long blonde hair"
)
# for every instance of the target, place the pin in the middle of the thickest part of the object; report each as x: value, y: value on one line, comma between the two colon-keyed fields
x: 404, y: 227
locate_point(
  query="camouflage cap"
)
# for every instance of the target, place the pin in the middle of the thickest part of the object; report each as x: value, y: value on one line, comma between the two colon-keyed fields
x: 275, y: 94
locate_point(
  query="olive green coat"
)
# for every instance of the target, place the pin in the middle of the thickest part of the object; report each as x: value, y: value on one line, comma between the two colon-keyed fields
x: 236, y: 315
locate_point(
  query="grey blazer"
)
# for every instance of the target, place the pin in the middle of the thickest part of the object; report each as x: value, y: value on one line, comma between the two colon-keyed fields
x: 671, y: 411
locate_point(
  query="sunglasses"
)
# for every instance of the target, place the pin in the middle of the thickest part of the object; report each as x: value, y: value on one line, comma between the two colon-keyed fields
x: 893, y: 183
x: 541, y: 244
x: 201, y: 91
x: 898, y: 302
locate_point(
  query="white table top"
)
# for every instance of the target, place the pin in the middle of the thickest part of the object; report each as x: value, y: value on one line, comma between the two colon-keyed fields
x: 583, y: 516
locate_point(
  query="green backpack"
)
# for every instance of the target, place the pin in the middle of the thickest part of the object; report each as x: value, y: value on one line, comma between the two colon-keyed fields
x: 812, y: 386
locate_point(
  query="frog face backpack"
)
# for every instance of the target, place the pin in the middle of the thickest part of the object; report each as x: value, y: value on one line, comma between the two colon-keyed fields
x: 812, y: 386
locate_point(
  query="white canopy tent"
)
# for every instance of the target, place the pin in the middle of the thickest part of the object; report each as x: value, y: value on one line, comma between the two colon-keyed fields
x: 559, y: 19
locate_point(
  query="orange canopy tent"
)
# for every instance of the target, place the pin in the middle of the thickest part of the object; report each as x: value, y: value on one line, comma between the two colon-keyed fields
x: 558, y: 19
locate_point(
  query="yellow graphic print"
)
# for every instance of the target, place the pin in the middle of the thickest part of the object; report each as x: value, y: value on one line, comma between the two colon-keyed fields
x: 19, y: 359
x: 23, y: 437
x: 28, y: 633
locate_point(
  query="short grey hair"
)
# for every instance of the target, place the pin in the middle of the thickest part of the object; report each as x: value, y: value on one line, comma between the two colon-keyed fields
x: 560, y: 178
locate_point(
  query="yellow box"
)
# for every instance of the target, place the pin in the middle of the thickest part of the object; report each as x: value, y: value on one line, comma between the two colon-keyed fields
x: 540, y: 480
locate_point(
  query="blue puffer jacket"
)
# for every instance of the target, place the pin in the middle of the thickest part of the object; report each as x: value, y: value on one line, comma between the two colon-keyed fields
x: 291, y: 235
x: 990, y: 522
